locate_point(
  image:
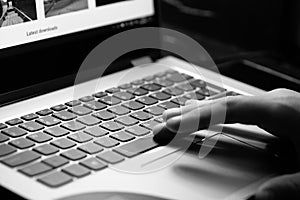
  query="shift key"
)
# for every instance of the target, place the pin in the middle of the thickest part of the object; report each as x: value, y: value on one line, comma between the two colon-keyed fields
x: 136, y: 147
x: 21, y: 158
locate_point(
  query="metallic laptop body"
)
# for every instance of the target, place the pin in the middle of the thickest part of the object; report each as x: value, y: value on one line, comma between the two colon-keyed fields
x: 238, y: 163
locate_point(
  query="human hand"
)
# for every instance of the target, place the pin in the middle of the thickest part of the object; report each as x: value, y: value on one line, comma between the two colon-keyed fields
x: 277, y: 112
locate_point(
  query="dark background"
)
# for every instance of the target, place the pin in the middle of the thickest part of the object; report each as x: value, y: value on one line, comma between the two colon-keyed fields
x: 263, y: 31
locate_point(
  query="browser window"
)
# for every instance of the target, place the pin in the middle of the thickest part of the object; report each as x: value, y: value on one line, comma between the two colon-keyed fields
x: 25, y: 21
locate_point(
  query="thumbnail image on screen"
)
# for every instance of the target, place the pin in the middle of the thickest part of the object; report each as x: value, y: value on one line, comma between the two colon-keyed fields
x: 16, y: 12
x: 104, y: 2
x: 58, y: 7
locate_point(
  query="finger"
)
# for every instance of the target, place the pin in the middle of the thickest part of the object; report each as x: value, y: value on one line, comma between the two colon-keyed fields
x: 168, y: 114
x: 238, y: 109
x: 283, y: 187
x: 198, y: 118
x: 180, y: 125
x: 191, y: 105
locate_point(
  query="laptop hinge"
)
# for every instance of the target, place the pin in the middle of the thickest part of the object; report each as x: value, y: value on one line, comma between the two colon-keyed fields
x: 141, y: 61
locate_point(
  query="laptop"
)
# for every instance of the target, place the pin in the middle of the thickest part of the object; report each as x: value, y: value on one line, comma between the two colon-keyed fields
x: 93, y: 139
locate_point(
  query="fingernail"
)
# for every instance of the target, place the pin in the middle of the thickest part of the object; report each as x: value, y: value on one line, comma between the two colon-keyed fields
x: 252, y: 197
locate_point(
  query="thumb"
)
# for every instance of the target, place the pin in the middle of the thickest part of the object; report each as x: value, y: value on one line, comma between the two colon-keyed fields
x: 282, y: 187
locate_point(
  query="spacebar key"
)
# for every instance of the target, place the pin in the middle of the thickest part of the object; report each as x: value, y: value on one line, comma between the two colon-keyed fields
x: 136, y: 147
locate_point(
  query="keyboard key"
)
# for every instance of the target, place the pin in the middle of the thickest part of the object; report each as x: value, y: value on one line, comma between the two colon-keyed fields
x: 63, y: 143
x: 147, y: 100
x: 112, y: 126
x: 65, y: 115
x: 46, y: 149
x: 80, y: 110
x: 55, y: 179
x: 222, y: 94
x: 96, y: 131
x: 125, y: 86
x: 185, y: 87
x: 14, y: 122
x: 127, y: 121
x: 29, y: 117
x: 179, y: 100
x: 59, y: 107
x: 95, y: 105
x: 218, y: 89
x: 195, y: 96
x: 93, y: 164
x: 133, y: 105
x: 99, y: 94
x: 14, y: 132
x: 137, y: 91
x: 173, y: 91
x: 73, y: 103
x: 48, y: 121
x: 160, y: 96
x: 176, y: 78
x: 111, y: 101
x: 198, y: 83
x: 168, y: 105
x: 160, y: 74
x: 119, y: 110
x: 171, y: 71
x: 122, y: 136
x: 86, y: 99
x: 3, y: 126
x: 151, y: 87
x: 159, y: 119
x: 22, y: 143
x: 155, y: 110
x: 88, y: 120
x: 56, y: 131
x: 76, y: 170
x: 6, y: 150
x: 56, y: 161
x: 35, y: 169
x: 39, y: 137
x: 73, y: 154
x: 104, y: 115
x: 90, y: 148
x: 110, y: 157
x: 137, y: 82
x: 149, y: 78
x: 163, y: 82
x: 3, y: 137
x: 112, y: 90
x: 150, y: 124
x: 73, y: 126
x: 138, y: 131
x: 21, y: 158
x: 80, y: 137
x: 204, y: 92
x: 136, y: 147
x: 32, y: 126
x: 44, y: 112
x: 125, y: 96
x: 107, y: 142
x: 141, y: 115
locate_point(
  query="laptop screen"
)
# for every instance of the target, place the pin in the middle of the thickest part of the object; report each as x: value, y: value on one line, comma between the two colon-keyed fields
x: 44, y: 42
x: 25, y: 21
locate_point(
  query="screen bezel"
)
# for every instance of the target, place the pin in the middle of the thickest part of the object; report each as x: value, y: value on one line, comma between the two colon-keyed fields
x: 37, y: 49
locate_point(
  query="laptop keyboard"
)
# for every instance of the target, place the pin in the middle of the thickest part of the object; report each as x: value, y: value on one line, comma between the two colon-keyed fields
x: 60, y: 144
